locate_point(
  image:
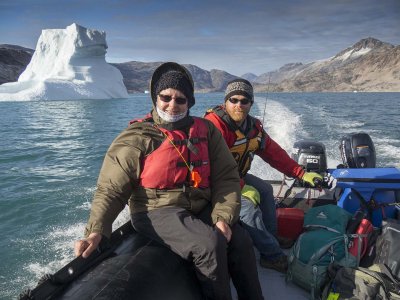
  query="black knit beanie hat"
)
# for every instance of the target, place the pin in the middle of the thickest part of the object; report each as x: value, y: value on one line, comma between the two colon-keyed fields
x: 239, y: 86
x: 175, y: 76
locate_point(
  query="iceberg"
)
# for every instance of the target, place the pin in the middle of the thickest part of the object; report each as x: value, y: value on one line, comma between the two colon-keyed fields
x: 68, y: 64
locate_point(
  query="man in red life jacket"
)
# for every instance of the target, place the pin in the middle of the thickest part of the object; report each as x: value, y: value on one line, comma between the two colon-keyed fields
x: 182, y: 186
x: 245, y: 138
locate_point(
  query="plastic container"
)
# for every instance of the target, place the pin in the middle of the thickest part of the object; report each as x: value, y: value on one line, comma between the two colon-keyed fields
x: 384, y: 201
x: 290, y: 222
x: 378, y: 187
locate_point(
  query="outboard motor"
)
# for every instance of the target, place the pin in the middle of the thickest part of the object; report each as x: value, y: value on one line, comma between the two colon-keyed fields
x: 311, y: 156
x: 358, y: 151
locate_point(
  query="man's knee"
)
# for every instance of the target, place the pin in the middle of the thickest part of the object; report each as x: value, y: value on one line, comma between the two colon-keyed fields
x: 211, y: 242
x: 263, y: 187
x: 251, y: 218
x: 266, y: 189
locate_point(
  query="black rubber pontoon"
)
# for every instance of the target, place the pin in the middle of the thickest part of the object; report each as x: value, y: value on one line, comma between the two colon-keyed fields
x: 133, y: 267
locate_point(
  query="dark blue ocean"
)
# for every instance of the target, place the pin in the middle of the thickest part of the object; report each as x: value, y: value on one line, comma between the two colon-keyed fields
x: 51, y: 153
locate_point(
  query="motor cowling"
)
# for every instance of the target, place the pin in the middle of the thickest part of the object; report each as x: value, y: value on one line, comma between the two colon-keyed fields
x: 357, y: 151
x: 311, y: 156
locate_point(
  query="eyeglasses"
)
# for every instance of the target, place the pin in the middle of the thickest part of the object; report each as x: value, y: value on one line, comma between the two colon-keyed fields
x: 244, y: 101
x: 167, y: 98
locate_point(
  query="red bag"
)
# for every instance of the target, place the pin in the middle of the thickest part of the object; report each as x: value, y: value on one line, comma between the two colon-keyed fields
x: 365, y: 228
x: 290, y: 222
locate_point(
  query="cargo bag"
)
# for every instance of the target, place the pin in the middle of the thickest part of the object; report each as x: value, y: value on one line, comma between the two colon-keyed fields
x: 388, y: 246
x: 372, y: 283
x: 359, y: 245
x: 324, y: 241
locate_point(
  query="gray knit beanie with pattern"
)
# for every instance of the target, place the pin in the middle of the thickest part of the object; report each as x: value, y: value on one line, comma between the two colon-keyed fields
x: 239, y: 86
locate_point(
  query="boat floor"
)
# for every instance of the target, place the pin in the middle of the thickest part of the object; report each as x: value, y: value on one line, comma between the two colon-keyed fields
x: 274, y: 285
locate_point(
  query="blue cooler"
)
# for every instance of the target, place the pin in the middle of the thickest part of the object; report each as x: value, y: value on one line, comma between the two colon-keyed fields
x: 377, y: 186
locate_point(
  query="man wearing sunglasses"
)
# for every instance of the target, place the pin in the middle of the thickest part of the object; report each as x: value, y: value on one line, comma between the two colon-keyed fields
x: 182, y: 186
x: 246, y: 137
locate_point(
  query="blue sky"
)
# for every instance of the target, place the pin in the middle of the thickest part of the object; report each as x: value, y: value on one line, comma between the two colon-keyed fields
x: 235, y: 36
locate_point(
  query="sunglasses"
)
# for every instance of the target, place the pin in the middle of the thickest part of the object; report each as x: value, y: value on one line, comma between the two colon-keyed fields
x: 244, y: 101
x: 167, y: 98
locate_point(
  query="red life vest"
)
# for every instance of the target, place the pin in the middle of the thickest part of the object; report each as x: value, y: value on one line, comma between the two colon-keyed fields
x: 165, y: 168
x: 245, y: 144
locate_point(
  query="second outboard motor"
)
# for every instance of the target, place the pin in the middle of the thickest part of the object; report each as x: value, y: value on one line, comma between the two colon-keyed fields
x: 358, y: 151
x: 311, y: 156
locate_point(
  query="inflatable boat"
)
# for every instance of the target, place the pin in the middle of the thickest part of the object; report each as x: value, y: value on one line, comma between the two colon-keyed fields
x: 130, y: 266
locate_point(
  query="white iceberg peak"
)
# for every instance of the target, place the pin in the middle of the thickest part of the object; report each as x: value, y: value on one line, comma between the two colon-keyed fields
x: 67, y: 64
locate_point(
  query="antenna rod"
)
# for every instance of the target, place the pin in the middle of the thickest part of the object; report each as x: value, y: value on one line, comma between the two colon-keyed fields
x: 266, y: 97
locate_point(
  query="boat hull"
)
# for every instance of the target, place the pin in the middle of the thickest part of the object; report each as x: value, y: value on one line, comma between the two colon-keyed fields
x: 130, y: 266
x: 139, y: 269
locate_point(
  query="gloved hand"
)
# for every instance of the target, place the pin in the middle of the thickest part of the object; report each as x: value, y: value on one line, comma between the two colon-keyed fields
x: 312, y: 178
x: 251, y: 194
x: 331, y: 182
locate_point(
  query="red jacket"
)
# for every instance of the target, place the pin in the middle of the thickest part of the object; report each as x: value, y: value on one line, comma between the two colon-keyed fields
x: 271, y: 153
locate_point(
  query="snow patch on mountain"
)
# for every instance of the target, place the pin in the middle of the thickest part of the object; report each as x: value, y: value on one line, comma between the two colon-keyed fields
x: 353, y: 54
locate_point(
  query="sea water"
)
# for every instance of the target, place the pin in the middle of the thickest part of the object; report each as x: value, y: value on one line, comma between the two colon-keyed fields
x: 51, y: 153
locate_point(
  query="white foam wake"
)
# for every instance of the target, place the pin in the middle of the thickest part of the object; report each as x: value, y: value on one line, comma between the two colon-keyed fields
x: 282, y: 125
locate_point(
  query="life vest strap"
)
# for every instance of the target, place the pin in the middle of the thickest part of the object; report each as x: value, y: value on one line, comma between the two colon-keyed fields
x: 193, y: 140
x: 190, y: 143
x: 197, y: 163
x: 180, y: 187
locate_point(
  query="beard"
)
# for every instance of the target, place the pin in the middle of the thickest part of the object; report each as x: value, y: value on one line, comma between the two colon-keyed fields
x: 238, y: 115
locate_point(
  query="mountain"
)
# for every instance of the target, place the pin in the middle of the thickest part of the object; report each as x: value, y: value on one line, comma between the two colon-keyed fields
x: 249, y: 76
x: 220, y: 79
x: 369, y: 65
x: 137, y: 76
x: 13, y: 61
x: 277, y: 76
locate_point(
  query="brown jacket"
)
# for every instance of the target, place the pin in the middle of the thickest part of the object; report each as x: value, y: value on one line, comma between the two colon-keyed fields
x: 118, y: 182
